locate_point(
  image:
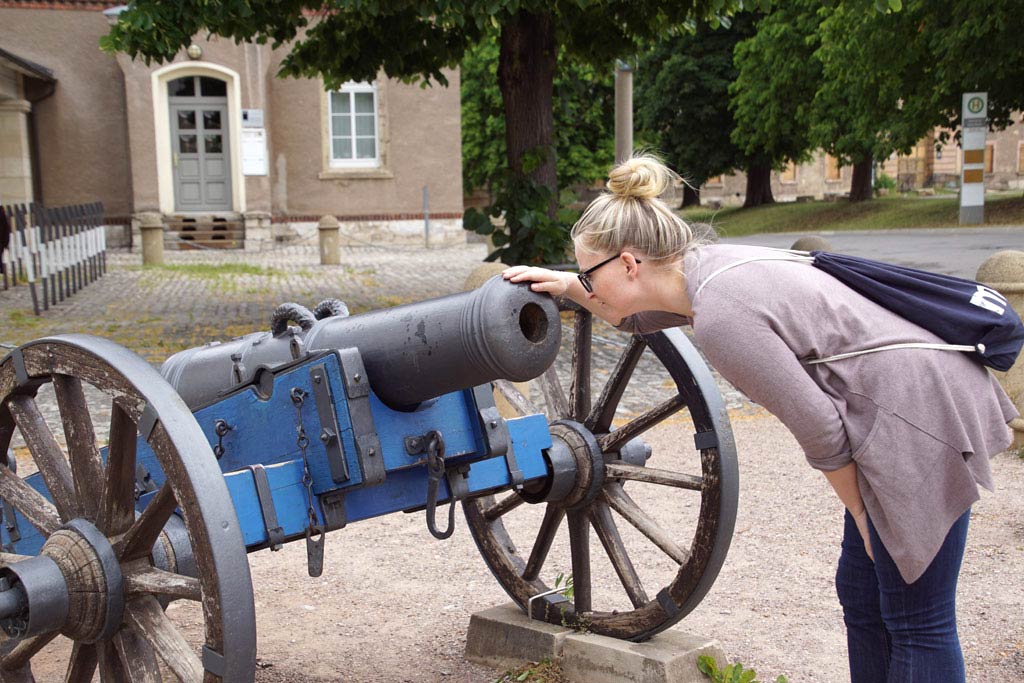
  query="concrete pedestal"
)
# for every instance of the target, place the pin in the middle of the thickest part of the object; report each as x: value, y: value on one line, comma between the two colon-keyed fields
x: 504, y: 638
x: 151, y: 227
x: 257, y: 231
x: 330, y: 254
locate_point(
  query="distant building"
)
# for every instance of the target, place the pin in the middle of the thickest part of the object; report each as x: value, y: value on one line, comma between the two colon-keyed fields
x: 214, y: 140
x: 928, y: 165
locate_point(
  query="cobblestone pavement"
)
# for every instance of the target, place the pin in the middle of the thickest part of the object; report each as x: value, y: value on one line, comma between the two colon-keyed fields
x: 200, y: 296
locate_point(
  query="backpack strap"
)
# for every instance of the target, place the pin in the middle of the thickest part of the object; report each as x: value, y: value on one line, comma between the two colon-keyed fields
x: 889, y: 347
x: 784, y: 255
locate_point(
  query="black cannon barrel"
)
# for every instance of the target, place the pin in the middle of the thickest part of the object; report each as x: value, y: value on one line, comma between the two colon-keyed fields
x: 411, y: 353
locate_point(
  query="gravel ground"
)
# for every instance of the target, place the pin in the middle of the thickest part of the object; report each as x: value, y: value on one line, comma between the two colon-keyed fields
x: 394, y: 605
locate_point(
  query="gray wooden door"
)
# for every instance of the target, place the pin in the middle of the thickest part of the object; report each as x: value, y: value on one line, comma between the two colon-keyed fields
x: 200, y: 155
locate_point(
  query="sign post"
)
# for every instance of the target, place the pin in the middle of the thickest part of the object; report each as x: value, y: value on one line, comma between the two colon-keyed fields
x: 972, y: 140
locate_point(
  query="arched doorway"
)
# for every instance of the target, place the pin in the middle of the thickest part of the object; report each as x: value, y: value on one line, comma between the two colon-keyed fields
x: 200, y: 143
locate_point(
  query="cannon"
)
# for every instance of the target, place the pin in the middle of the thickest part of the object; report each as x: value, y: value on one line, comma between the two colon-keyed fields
x: 288, y: 434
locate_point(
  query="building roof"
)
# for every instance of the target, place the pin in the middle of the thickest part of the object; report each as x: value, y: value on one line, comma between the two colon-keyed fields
x: 24, y: 66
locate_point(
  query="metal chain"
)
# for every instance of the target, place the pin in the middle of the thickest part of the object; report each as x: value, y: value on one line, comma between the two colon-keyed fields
x: 299, y: 398
x: 221, y: 429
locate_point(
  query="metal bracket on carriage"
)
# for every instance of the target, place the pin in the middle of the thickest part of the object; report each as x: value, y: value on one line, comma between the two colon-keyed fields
x: 275, y: 535
x: 143, y: 481
x: 357, y: 390
x: 329, y: 430
x: 497, y: 440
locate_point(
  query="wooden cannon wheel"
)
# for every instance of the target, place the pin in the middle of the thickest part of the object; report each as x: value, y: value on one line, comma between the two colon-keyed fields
x: 614, y: 469
x: 106, y: 551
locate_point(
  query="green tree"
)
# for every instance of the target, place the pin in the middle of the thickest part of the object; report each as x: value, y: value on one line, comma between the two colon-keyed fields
x: 340, y: 40
x: 862, y: 78
x: 777, y: 78
x: 583, y: 120
x: 683, y: 101
x: 866, y: 106
x: 975, y: 46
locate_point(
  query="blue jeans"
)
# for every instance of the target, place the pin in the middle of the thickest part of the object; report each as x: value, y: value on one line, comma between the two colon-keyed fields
x: 898, y: 632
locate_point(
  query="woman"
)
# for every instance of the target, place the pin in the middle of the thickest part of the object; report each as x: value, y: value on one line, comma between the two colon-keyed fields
x: 903, y: 436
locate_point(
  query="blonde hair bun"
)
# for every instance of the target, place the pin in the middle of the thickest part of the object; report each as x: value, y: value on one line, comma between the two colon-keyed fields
x: 643, y: 176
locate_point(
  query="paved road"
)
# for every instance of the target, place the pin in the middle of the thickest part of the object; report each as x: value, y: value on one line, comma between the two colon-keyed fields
x: 952, y: 251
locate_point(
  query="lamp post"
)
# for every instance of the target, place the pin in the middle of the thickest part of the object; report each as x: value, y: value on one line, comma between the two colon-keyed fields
x: 623, y: 111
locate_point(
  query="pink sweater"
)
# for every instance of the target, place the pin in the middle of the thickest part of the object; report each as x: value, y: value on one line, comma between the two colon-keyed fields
x: 920, y: 424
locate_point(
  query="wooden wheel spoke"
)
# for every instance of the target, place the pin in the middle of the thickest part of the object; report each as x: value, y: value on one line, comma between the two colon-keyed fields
x: 553, y: 517
x: 111, y: 670
x: 138, y: 541
x: 600, y: 418
x: 615, y: 440
x: 47, y: 453
x: 503, y: 506
x: 117, y: 505
x: 608, y: 532
x: 579, y: 548
x: 138, y: 660
x: 515, y: 398
x: 554, y: 394
x: 620, y: 501
x: 6, y: 432
x: 81, y: 439
x: 617, y: 469
x: 153, y: 581
x: 25, y: 650
x: 145, y: 615
x: 579, y: 390
x: 82, y: 664
x: 30, y: 503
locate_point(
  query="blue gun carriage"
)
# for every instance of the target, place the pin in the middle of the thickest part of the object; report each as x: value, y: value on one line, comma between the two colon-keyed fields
x: 322, y: 421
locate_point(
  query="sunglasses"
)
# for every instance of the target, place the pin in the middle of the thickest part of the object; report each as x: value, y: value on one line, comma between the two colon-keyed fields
x: 584, y: 277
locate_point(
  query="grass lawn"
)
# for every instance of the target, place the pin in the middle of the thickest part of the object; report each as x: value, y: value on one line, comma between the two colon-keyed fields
x: 880, y: 213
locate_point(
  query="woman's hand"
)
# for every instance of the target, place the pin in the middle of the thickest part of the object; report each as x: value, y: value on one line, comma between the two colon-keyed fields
x: 861, y: 520
x: 555, y: 283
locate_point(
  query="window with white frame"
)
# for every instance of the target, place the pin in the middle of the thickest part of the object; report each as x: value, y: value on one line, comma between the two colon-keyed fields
x: 354, y: 126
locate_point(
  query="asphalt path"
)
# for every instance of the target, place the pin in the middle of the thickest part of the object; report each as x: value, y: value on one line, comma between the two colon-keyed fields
x: 953, y: 251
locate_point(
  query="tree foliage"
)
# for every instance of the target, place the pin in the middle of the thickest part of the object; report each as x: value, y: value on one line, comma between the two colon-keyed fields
x: 861, y: 79
x: 414, y: 40
x: 683, y: 100
x: 584, y: 101
x: 775, y: 85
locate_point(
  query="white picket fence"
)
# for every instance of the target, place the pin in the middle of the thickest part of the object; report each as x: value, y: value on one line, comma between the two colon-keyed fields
x: 55, y: 251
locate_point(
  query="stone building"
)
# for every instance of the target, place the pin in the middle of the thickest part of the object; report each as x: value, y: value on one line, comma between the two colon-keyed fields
x: 932, y: 163
x: 214, y: 142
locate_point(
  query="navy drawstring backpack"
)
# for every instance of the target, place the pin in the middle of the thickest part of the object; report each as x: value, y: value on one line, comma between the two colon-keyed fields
x: 961, y: 312
x: 968, y: 316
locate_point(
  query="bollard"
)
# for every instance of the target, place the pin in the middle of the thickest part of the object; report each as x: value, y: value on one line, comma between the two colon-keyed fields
x: 152, y: 228
x: 812, y: 243
x: 330, y: 254
x: 1004, y: 272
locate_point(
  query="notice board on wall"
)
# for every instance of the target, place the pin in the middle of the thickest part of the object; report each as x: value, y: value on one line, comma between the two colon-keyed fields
x: 254, y: 151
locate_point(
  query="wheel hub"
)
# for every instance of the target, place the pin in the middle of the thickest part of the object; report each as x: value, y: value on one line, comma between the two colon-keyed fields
x: 74, y: 585
x: 578, y: 444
